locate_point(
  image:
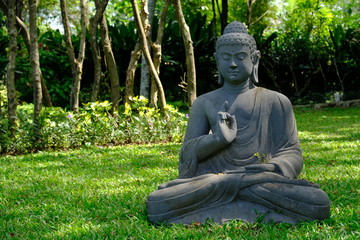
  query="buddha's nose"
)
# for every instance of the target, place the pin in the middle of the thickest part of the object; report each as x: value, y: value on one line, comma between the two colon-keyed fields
x: 233, y: 65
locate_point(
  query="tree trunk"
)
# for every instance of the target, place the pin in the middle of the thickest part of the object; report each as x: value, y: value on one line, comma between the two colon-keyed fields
x: 130, y: 72
x: 148, y: 57
x: 341, y: 79
x: 111, y: 65
x: 35, y: 66
x: 189, y: 51
x: 26, y: 36
x: 144, y: 78
x: 157, y: 55
x: 76, y: 64
x: 10, y: 75
x: 100, y: 9
x: 214, y: 18
x: 223, y: 13
x: 96, y: 59
x: 249, y: 12
x: 147, y: 16
x: 45, y: 92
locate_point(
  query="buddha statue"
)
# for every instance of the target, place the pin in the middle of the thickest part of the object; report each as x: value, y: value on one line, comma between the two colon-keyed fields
x: 241, y: 154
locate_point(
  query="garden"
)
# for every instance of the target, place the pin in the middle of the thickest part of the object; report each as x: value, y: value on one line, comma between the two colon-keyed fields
x: 98, y: 191
x: 95, y: 97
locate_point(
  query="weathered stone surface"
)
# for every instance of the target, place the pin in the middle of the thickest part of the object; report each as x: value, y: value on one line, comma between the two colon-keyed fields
x: 241, y: 154
x: 238, y: 210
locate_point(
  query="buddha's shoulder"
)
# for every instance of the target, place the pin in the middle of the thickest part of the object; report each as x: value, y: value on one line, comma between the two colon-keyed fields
x: 278, y: 101
x: 272, y: 94
x: 209, y: 97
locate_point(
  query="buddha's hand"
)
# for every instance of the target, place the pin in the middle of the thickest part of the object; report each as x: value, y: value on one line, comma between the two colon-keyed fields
x: 226, y: 126
x: 267, y: 167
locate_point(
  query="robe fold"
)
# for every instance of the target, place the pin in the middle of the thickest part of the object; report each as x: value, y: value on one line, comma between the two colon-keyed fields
x: 269, y: 135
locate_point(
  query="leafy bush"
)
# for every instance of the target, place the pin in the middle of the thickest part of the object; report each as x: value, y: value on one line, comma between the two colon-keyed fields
x: 144, y: 124
x: 93, y: 125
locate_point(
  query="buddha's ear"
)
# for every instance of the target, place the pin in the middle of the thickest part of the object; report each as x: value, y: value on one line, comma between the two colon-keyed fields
x: 220, y: 78
x: 254, y: 75
x: 256, y: 57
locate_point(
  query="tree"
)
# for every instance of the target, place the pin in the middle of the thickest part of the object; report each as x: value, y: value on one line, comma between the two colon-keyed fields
x: 35, y: 66
x: 257, y: 15
x: 189, y: 51
x: 25, y: 35
x: 130, y: 72
x: 111, y: 64
x: 94, y: 21
x: 24, y: 31
x: 135, y: 56
x: 99, y: 18
x: 223, y: 13
x: 76, y: 63
x: 147, y: 16
x: 10, y: 79
x: 157, y: 53
x: 148, y: 57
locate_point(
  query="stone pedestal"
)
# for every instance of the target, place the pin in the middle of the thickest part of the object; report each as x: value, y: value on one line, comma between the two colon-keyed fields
x: 239, y: 210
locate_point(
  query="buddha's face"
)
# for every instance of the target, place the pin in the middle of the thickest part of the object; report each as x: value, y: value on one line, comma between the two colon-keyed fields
x: 234, y: 63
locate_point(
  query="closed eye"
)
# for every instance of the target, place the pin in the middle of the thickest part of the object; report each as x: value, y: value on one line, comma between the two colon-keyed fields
x: 241, y: 55
x: 225, y: 56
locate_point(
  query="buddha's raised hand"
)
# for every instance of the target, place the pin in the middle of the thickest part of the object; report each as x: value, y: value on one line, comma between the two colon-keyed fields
x: 226, y: 126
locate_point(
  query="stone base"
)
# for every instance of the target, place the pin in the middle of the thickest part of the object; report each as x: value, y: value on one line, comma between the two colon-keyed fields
x: 239, y: 210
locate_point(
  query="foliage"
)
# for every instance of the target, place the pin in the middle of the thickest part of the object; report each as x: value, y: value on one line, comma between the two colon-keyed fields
x: 100, y: 192
x: 309, y: 48
x: 262, y: 12
x: 92, y: 126
x: 314, y: 49
x: 173, y: 67
x: 55, y: 66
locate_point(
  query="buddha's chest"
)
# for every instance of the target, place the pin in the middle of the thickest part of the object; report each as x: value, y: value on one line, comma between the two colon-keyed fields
x: 243, y: 107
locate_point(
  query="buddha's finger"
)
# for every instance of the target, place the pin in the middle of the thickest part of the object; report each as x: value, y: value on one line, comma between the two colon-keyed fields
x: 224, y: 107
x: 233, y: 124
x: 222, y: 116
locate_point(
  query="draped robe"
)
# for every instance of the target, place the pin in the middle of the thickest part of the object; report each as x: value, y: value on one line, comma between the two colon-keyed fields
x: 266, y: 133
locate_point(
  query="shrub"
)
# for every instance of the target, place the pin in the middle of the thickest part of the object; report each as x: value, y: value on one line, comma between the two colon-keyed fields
x: 93, y: 125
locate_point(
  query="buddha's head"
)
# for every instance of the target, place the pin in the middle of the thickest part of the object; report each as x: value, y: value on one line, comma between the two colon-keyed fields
x: 236, y: 55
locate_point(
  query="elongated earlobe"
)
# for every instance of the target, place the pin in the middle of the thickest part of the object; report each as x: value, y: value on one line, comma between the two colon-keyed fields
x: 220, y: 79
x: 254, y: 75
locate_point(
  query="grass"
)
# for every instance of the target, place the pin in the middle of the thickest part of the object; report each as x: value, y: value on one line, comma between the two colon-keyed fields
x: 99, y: 193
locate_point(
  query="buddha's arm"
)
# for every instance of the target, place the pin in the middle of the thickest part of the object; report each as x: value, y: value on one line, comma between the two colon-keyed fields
x: 198, y: 126
x: 198, y: 143
x: 286, y: 153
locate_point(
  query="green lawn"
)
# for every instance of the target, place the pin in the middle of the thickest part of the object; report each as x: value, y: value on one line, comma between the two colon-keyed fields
x: 99, y: 193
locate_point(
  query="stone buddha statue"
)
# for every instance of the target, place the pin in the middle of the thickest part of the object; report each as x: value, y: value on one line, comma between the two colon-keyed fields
x: 241, y: 155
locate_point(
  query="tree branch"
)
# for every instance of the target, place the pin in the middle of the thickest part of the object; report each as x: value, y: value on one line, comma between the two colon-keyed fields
x: 148, y: 57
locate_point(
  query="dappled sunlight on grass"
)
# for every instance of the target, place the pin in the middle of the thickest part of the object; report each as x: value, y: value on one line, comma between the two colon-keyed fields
x: 77, y: 229
x: 99, y: 193
x: 66, y: 189
x: 330, y: 140
x: 310, y: 136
